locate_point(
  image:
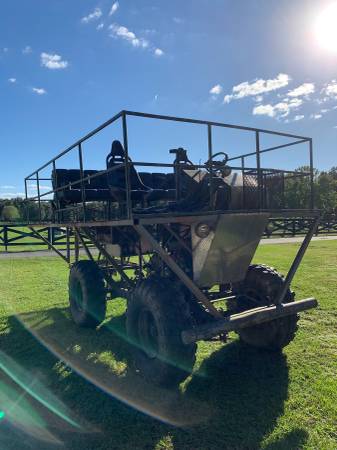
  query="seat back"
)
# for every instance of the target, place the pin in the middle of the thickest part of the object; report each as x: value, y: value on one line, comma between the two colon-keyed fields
x: 116, y: 178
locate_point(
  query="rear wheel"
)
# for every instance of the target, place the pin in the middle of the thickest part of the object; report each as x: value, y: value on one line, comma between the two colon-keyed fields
x: 260, y: 288
x: 87, y: 294
x: 157, y: 313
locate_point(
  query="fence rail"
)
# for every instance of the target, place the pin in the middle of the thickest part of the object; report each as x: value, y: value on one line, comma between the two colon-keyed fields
x: 18, y: 237
x: 287, y: 227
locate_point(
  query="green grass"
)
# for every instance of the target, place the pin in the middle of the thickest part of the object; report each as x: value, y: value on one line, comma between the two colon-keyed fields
x: 237, y: 398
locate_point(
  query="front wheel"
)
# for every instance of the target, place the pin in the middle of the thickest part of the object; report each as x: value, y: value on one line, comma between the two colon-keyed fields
x: 156, y: 315
x: 87, y: 296
x: 260, y: 288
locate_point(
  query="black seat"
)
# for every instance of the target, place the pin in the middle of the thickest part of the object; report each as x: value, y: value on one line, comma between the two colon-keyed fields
x: 96, y: 189
x: 139, y: 189
x: 112, y: 185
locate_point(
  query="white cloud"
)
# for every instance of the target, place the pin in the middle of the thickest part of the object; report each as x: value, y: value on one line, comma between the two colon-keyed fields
x: 100, y: 26
x: 264, y: 110
x: 298, y: 117
x: 96, y: 14
x: 53, y: 61
x: 258, y: 98
x: 330, y: 89
x: 158, y: 52
x: 122, y: 32
x: 178, y: 20
x: 294, y: 102
x: 257, y: 87
x: 27, y: 50
x: 39, y: 91
x: 5, y: 49
x: 7, y: 186
x: 279, y: 110
x: 119, y: 31
x: 303, y: 89
x: 11, y: 195
x: 12, y: 80
x: 114, y: 8
x: 315, y: 116
x: 228, y: 98
x: 216, y: 90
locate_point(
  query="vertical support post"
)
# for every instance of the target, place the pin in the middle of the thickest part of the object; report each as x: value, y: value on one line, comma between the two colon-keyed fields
x: 258, y: 167
x: 6, y: 238
x: 68, y: 244
x: 27, y: 206
x: 57, y: 218
x: 210, y: 154
x: 38, y: 194
x: 127, y: 168
x: 283, y: 201
x: 50, y: 237
x: 297, y: 261
x: 80, y: 158
x: 243, y: 182
x: 312, y: 193
x: 77, y: 246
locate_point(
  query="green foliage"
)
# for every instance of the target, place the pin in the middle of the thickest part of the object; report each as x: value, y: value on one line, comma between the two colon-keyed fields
x: 25, y: 209
x: 326, y: 190
x: 10, y: 213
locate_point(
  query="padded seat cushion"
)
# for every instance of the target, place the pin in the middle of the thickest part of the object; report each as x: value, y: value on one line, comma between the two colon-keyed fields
x: 111, y: 186
x: 62, y: 177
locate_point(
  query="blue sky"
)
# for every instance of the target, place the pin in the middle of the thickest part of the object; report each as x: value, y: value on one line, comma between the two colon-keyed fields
x: 67, y: 66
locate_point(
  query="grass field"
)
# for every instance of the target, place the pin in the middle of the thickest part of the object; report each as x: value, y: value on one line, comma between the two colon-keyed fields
x: 237, y: 398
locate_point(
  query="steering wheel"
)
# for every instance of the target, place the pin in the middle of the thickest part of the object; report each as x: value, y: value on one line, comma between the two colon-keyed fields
x: 217, y: 166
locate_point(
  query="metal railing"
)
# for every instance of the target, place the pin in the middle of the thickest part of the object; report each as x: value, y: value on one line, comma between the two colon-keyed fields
x: 257, y: 171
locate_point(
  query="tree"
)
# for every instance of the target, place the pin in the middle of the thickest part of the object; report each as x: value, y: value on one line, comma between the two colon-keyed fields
x: 10, y: 213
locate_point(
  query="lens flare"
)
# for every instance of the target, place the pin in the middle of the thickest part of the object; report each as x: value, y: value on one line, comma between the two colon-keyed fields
x: 326, y: 28
x: 128, y: 387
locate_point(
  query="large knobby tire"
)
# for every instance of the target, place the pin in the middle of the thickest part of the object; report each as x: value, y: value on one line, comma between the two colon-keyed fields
x: 260, y: 288
x: 87, y: 294
x: 156, y: 315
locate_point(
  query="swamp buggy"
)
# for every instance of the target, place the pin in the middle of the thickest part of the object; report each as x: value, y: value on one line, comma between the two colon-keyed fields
x: 177, y: 242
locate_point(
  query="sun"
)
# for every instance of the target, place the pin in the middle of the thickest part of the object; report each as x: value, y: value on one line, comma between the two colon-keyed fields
x: 326, y: 28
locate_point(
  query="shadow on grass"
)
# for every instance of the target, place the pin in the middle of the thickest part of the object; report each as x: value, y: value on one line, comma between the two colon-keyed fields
x: 232, y: 402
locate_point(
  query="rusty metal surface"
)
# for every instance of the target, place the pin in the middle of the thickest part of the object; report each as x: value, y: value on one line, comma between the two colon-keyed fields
x: 225, y: 254
x: 169, y: 261
x: 246, y: 319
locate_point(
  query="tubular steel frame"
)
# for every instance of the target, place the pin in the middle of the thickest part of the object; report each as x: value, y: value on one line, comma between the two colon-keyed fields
x: 40, y: 197
x: 143, y: 224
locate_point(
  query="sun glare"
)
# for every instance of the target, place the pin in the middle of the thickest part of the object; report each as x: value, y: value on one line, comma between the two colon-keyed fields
x: 326, y: 28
